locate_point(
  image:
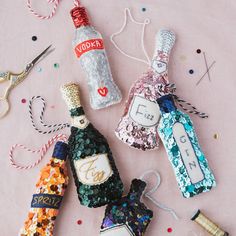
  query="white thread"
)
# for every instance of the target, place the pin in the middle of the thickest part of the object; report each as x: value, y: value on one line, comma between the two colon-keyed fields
x: 77, y: 3
x: 147, y: 21
x: 148, y: 194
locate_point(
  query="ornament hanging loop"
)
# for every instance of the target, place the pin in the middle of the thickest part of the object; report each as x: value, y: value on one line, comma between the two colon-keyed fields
x: 56, y: 4
x: 170, y: 88
x: 77, y: 3
x: 127, y: 14
x: 148, y: 193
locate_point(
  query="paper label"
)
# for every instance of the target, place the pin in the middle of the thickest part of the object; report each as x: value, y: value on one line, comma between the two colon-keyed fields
x: 93, y: 170
x: 80, y: 122
x: 188, y: 154
x: 46, y: 201
x: 159, y: 66
x: 121, y: 230
x: 88, y: 45
x: 144, y: 112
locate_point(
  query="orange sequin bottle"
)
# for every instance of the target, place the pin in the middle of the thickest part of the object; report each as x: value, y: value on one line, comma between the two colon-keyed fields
x: 49, y: 192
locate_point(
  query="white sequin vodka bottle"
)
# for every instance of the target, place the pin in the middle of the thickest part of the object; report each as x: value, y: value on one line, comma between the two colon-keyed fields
x: 89, y: 48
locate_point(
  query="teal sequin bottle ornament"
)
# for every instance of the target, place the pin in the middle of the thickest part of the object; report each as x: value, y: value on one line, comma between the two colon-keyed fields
x: 96, y: 177
x: 179, y: 138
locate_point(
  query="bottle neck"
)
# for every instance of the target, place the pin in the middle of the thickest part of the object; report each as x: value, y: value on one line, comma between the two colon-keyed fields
x: 136, y: 189
x: 160, y: 62
x: 60, y: 151
x: 79, y: 16
x: 78, y: 118
x: 166, y: 104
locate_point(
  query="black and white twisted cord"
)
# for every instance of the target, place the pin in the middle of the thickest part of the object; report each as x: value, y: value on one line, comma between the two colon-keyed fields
x: 191, y: 109
x: 186, y: 106
x: 53, y: 128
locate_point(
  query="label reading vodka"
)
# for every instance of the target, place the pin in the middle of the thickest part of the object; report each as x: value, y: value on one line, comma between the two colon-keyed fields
x: 93, y: 169
x: 121, y: 230
x: 92, y: 44
x: 144, y: 112
x: 188, y: 154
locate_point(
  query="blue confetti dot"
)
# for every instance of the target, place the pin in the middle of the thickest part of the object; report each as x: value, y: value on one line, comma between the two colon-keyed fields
x: 39, y: 69
x: 144, y: 9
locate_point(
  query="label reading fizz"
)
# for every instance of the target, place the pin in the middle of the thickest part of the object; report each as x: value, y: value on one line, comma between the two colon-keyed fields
x: 93, y: 169
x: 188, y: 154
x: 121, y: 230
x: 88, y: 45
x: 144, y: 112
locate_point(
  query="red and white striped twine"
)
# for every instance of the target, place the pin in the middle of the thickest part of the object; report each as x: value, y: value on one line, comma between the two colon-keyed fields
x: 43, y: 150
x: 56, y: 4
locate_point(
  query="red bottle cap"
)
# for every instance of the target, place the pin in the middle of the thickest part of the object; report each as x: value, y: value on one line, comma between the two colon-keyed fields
x: 79, y: 16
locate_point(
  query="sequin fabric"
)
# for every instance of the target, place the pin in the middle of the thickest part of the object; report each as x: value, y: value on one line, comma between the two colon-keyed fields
x: 53, y: 181
x: 171, y: 115
x: 85, y: 143
x: 98, y: 73
x: 129, y: 211
x: 128, y: 130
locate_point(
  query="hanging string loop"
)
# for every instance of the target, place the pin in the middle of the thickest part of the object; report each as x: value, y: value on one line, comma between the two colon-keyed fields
x: 148, y: 193
x: 42, y: 151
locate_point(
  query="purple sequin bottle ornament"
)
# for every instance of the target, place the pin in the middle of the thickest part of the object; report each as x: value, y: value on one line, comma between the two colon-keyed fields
x: 127, y: 216
x: 89, y: 49
x: 138, y: 125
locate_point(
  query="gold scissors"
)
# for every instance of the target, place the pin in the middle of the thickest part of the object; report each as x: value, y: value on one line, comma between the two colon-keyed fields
x: 16, y: 79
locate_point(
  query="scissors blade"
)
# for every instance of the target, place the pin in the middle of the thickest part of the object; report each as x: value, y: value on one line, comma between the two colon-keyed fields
x: 39, y: 56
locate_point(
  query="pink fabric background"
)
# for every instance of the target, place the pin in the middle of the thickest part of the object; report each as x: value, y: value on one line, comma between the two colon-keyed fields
x: 208, y: 25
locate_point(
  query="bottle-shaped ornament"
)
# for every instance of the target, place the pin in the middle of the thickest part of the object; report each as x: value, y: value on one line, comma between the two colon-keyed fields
x: 89, y: 49
x: 96, y: 176
x: 48, y: 196
x: 138, y: 125
x: 128, y: 216
x: 179, y: 138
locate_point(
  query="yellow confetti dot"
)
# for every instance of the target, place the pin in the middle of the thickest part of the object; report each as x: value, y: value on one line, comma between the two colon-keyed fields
x: 216, y: 136
x: 183, y: 58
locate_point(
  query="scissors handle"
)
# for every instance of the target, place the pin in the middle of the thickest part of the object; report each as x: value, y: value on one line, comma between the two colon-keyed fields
x: 4, y: 76
x: 4, y: 106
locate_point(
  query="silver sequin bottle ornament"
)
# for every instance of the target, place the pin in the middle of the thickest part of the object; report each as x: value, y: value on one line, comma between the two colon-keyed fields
x: 89, y: 48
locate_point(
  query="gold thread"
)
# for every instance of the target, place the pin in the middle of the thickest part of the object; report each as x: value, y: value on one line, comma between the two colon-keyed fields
x: 208, y: 225
x: 71, y: 95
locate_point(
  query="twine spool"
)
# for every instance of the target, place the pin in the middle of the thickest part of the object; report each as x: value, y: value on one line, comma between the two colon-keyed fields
x: 208, y: 225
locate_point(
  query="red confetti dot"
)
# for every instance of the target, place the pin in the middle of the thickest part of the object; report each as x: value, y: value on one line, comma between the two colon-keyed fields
x: 79, y: 222
x: 169, y: 230
x: 23, y: 100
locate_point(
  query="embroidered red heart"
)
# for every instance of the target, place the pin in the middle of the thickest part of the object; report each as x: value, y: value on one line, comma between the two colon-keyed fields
x: 103, y: 91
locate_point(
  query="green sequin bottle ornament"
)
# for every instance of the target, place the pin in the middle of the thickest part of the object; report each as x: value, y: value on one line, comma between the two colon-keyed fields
x: 177, y: 133
x: 96, y: 177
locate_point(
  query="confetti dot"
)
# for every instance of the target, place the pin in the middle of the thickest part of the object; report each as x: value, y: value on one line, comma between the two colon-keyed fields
x: 34, y: 38
x: 191, y: 71
x: 169, y: 230
x: 23, y: 100
x: 52, y: 106
x: 39, y: 69
x: 183, y: 58
x: 79, y: 222
x: 56, y: 65
x: 216, y: 136
x: 144, y: 9
x: 198, y: 51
